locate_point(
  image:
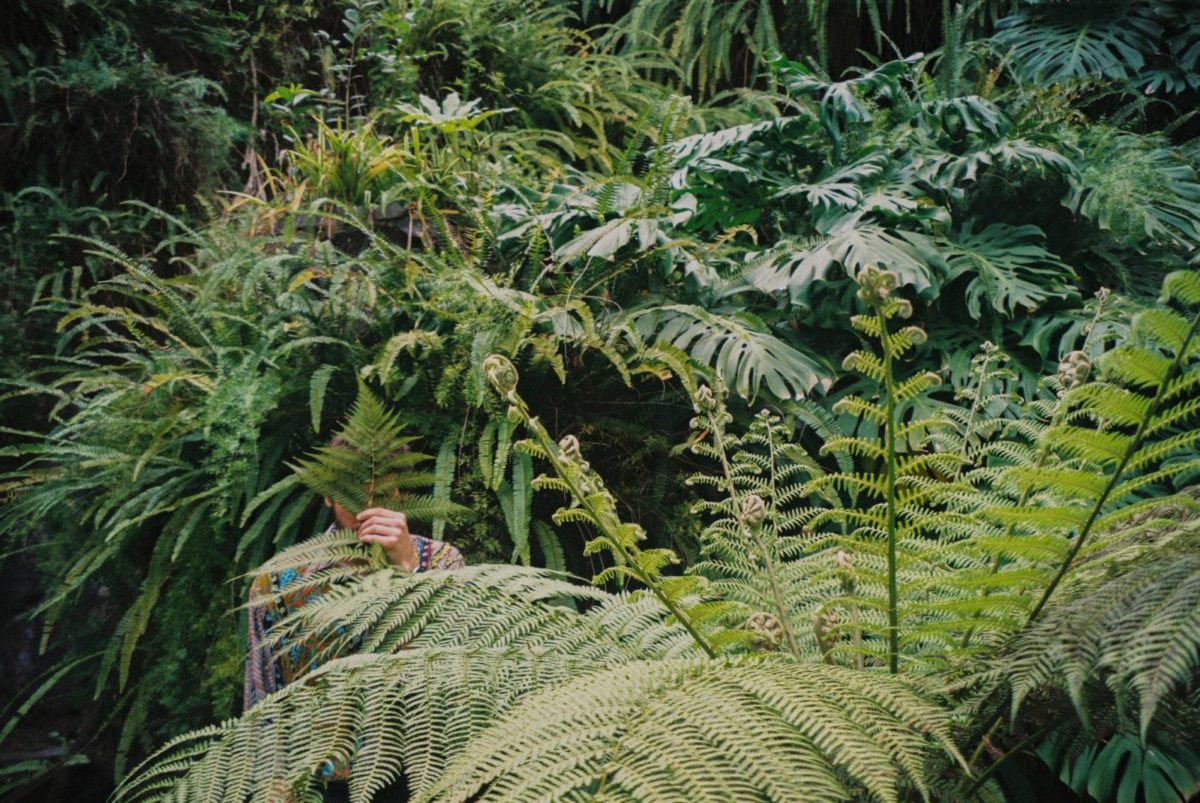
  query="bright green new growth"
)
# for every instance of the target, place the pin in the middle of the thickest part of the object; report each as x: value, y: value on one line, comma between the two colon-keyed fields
x: 367, y: 464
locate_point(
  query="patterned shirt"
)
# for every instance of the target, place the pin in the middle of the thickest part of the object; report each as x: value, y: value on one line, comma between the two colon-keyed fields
x: 270, y: 602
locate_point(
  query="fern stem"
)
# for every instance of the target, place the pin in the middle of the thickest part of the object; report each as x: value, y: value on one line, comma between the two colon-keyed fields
x: 1134, y: 446
x: 974, y: 413
x: 889, y: 434
x: 1016, y: 749
x: 755, y: 533
x: 629, y: 558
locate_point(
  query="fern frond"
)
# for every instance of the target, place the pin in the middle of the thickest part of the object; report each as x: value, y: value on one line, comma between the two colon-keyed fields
x: 1134, y: 624
x: 794, y: 727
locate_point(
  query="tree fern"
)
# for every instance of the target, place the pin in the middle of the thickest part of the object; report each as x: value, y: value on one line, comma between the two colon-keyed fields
x: 1109, y: 651
x: 387, y: 715
x: 824, y: 729
x: 487, y: 606
x: 882, y: 520
x: 1109, y: 446
x: 796, y: 727
x: 1131, y: 623
x: 1133, y: 416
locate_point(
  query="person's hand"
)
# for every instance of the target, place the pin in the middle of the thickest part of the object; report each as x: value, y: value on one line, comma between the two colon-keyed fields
x: 389, y: 529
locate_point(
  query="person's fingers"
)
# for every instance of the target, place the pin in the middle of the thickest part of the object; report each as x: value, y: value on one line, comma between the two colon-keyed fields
x: 382, y: 513
x: 382, y: 540
x: 377, y: 511
x: 376, y: 527
x: 384, y: 521
x: 388, y: 518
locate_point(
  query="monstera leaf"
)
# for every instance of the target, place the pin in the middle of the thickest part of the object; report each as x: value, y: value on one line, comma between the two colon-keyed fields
x: 795, y: 268
x: 1061, y: 41
x: 1010, y: 268
x: 738, y: 346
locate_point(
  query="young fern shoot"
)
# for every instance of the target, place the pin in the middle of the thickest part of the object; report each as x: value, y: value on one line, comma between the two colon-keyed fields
x: 746, y: 543
x: 593, y: 505
x: 876, y: 290
x: 368, y: 464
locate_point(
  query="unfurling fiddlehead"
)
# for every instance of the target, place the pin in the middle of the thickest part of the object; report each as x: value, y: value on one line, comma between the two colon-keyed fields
x: 593, y: 505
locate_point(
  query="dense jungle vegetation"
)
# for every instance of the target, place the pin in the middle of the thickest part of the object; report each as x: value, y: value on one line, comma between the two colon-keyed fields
x: 851, y: 351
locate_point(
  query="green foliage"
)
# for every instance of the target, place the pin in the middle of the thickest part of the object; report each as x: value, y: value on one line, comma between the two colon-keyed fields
x: 735, y: 345
x: 1139, y: 190
x: 612, y: 734
x: 775, y: 707
x: 369, y: 464
x: 1149, y: 45
x: 1127, y: 629
x: 176, y: 400
x: 720, y: 42
x: 439, y: 193
x: 927, y: 555
x: 751, y: 540
x: 1122, y: 769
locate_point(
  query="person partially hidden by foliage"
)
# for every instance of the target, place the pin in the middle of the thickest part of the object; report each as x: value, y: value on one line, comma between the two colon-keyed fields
x: 365, y: 476
x: 270, y: 600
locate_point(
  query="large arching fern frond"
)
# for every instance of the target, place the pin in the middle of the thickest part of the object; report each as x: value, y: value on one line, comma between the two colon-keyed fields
x: 488, y: 606
x: 732, y: 729
x: 388, y: 716
x: 1133, y: 624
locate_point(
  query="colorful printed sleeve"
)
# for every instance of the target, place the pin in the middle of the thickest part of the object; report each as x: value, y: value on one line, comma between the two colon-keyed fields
x: 445, y: 556
x: 270, y: 602
x: 260, y: 671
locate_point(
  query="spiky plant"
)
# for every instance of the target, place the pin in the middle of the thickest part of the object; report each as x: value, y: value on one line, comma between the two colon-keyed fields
x: 175, y: 396
x: 369, y: 463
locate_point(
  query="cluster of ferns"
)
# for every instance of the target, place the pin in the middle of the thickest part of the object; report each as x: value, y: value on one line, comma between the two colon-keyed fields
x: 871, y: 620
